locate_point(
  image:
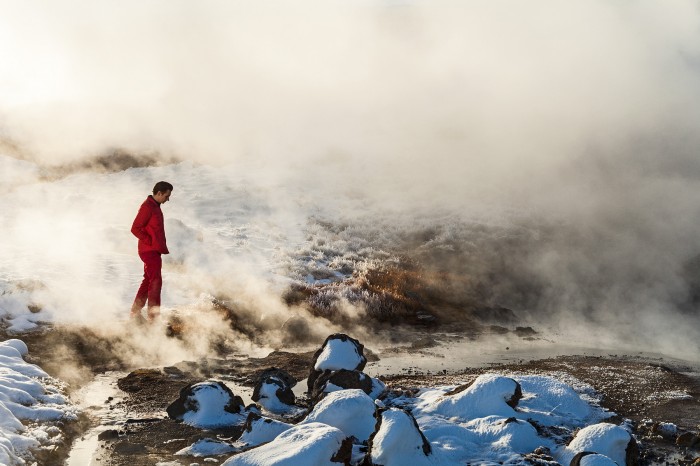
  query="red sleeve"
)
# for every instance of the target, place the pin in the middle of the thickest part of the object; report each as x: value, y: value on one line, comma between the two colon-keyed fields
x: 140, y: 222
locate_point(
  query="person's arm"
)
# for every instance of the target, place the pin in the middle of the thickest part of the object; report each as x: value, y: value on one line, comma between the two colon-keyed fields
x: 138, y: 228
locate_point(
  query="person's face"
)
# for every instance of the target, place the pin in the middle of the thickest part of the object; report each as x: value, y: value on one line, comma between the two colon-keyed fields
x: 162, y: 197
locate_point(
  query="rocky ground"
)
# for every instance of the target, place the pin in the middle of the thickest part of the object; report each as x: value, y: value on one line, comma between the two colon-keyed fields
x: 646, y: 391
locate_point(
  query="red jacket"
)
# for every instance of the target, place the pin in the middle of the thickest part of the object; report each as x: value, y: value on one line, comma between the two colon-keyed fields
x: 149, y: 227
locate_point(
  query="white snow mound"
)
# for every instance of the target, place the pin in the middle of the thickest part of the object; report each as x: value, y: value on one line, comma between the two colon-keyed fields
x: 398, y: 442
x: 606, y: 439
x: 305, y: 444
x: 486, y: 396
x: 351, y: 411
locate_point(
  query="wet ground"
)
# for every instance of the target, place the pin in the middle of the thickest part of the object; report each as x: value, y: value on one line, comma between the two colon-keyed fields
x: 125, y: 421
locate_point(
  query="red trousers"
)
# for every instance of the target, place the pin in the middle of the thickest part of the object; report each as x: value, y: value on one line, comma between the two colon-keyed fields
x: 149, y: 291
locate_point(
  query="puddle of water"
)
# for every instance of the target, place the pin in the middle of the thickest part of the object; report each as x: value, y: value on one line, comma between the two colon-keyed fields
x: 99, y: 399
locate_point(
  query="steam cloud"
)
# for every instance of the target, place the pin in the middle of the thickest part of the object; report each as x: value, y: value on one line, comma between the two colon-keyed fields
x: 576, y: 122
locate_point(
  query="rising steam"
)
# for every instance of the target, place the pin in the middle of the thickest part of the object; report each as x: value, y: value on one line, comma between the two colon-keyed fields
x: 542, y: 154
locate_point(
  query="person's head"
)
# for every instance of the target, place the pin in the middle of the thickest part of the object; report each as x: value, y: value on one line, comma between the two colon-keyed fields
x: 161, y: 192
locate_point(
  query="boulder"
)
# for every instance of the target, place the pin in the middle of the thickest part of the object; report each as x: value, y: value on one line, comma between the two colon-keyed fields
x: 351, y: 411
x: 306, y: 444
x: 339, y: 351
x: 259, y: 430
x: 488, y: 394
x: 209, y: 404
x: 588, y: 458
x: 604, y: 439
x: 398, y: 441
x: 688, y: 439
x: 329, y: 381
x: 273, y: 390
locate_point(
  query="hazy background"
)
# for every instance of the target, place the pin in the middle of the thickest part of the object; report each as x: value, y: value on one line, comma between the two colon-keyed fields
x: 568, y: 130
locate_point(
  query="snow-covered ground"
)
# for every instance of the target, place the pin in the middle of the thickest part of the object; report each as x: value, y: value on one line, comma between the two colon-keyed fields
x: 31, y: 403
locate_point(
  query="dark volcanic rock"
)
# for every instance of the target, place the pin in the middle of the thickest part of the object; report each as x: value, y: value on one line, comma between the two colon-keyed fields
x: 337, y: 347
x: 688, y: 439
x: 342, y: 378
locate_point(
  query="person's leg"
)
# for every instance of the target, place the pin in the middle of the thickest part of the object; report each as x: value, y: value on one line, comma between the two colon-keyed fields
x: 142, y: 293
x: 154, y: 264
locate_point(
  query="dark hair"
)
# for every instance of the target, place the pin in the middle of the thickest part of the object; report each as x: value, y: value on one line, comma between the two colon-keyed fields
x: 162, y: 187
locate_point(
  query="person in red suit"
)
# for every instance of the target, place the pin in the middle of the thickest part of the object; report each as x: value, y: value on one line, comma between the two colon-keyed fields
x: 149, y: 228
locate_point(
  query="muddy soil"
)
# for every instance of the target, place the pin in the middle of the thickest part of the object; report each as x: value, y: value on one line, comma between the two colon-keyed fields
x: 643, y: 390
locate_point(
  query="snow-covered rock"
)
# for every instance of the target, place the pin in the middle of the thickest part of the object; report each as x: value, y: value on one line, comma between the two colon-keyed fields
x: 209, y: 404
x: 207, y: 447
x: 273, y: 391
x: 259, y: 430
x: 351, y: 411
x: 488, y: 395
x: 331, y: 381
x: 306, y: 444
x: 588, y: 458
x: 605, y: 439
x: 339, y: 351
x: 399, y: 441
x: 665, y: 429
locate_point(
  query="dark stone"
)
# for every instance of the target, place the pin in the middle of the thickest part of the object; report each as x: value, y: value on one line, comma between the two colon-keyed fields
x: 110, y: 434
x: 186, y: 401
x: 342, y: 378
x: 688, y: 439
x: 248, y: 426
x: 632, y: 453
x: 278, y: 377
x: 359, y: 347
x: 344, y: 454
x: 541, y: 456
